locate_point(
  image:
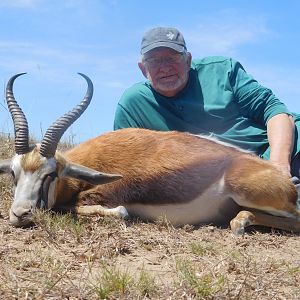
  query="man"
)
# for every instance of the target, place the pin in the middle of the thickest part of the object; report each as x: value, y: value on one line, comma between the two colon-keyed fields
x: 213, y: 95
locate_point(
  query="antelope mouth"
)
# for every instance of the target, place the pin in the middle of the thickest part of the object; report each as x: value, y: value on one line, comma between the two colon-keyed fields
x: 21, y: 220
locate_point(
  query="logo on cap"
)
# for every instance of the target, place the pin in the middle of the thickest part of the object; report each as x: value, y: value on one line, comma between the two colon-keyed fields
x: 170, y: 35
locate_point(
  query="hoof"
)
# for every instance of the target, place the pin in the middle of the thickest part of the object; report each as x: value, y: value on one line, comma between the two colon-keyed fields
x: 121, y: 212
x: 238, y: 231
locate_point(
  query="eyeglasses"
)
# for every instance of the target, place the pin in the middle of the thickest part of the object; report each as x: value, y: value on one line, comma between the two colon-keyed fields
x: 155, y: 62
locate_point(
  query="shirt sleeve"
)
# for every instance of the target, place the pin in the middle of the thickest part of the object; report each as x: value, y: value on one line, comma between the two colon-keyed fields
x: 255, y: 101
x: 123, y: 118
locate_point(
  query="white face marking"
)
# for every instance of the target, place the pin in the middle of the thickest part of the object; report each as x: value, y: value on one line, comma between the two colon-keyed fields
x: 28, y: 188
x: 16, y: 165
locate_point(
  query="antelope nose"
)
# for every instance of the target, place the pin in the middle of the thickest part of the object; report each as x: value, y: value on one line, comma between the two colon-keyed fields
x: 20, y: 216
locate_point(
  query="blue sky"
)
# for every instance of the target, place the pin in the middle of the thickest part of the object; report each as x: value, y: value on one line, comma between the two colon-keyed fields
x: 53, y: 40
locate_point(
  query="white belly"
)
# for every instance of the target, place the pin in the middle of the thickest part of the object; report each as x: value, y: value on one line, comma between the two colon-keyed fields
x: 213, y: 206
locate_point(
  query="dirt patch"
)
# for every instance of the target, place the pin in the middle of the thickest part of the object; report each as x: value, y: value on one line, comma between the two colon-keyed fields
x: 92, y: 258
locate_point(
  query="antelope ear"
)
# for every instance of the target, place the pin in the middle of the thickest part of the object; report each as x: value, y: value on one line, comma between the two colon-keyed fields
x: 88, y: 175
x: 5, y: 166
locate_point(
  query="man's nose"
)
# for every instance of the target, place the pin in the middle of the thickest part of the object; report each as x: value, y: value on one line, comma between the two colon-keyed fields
x: 164, y: 63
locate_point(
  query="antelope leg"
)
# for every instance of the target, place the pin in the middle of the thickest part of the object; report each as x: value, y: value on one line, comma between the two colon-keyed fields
x: 247, y: 218
x: 90, y: 210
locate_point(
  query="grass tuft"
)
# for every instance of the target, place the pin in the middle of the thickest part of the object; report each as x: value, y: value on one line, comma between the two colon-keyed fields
x: 146, y: 284
x: 111, y: 282
x: 201, y: 285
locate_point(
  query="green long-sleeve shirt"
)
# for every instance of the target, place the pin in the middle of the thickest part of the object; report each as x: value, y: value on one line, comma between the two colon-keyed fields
x: 220, y: 98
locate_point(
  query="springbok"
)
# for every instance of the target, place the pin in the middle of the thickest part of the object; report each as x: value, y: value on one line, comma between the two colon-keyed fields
x: 186, y: 178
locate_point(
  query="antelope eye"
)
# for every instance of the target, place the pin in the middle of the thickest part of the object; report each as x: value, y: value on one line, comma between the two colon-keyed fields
x: 50, y: 176
x: 53, y: 174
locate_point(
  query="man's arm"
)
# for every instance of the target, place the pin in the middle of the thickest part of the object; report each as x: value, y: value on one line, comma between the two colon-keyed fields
x: 255, y: 101
x: 280, y: 130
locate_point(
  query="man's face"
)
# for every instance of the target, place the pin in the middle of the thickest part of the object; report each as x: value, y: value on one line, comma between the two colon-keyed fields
x: 167, y: 70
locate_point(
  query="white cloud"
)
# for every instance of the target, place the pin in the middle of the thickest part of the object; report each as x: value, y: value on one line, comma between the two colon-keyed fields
x: 224, y: 33
x: 20, y: 54
x: 54, y: 64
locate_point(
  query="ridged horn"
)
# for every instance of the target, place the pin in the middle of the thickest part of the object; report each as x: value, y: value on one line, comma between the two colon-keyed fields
x: 58, y: 128
x: 19, y: 119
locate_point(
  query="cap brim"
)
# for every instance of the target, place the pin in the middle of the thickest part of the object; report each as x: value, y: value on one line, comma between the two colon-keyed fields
x: 176, y: 47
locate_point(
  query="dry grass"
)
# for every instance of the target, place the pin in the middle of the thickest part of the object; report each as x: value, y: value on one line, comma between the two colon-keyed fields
x: 104, y: 258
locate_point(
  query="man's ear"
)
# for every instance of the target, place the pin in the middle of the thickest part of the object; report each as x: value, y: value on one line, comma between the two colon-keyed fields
x: 189, y: 59
x: 143, y: 69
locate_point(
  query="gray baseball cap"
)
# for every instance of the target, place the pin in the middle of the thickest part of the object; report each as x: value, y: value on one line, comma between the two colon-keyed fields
x: 163, y: 37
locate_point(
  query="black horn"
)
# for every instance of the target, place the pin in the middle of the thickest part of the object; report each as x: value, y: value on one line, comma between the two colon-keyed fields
x: 58, y: 128
x: 19, y: 119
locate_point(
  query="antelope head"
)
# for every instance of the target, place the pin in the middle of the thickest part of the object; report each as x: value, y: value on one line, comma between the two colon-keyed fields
x: 36, y: 169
